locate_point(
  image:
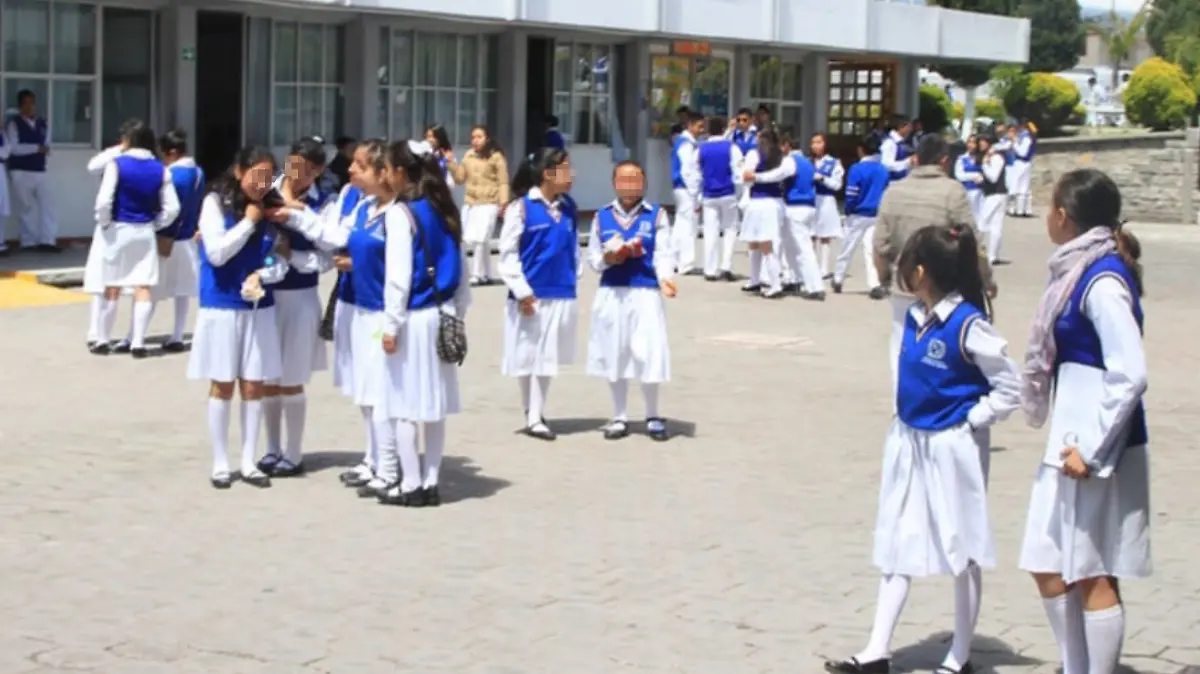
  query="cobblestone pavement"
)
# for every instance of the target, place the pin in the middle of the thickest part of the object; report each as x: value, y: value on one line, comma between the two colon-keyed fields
x: 741, y: 546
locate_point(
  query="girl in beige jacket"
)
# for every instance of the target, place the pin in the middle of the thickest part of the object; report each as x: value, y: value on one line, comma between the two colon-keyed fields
x: 484, y: 173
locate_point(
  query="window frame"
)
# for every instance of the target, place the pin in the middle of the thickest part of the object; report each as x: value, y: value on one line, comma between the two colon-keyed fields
x: 480, y: 89
x: 776, y: 101
x: 329, y: 30
x: 590, y: 96
x: 862, y: 115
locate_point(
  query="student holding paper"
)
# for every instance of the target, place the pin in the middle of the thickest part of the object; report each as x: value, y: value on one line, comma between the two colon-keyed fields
x: 956, y: 381
x: 1089, y: 516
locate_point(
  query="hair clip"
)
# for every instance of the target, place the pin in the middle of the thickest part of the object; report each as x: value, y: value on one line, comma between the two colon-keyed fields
x: 419, y: 148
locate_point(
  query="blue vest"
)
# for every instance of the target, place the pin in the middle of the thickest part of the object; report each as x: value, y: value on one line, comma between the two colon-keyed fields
x: 939, y: 384
x: 1032, y: 148
x: 634, y: 272
x: 367, y: 245
x: 969, y: 165
x: 826, y: 167
x: 29, y: 135
x: 296, y: 279
x: 800, y: 190
x: 138, y: 199
x: 903, y: 151
x: 548, y: 250
x: 745, y: 141
x: 866, y: 183
x: 1076, y: 337
x: 351, y: 197
x: 765, y: 190
x: 716, y: 169
x: 189, y: 187
x: 443, y: 256
x: 676, y: 164
x: 221, y: 287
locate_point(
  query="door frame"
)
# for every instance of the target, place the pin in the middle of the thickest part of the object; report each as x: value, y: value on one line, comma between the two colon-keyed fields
x: 726, y: 53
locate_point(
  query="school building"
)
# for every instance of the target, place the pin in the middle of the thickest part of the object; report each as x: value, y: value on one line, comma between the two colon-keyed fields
x: 613, y: 72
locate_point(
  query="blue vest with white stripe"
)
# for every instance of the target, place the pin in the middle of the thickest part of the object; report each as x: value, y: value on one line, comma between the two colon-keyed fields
x: 138, y: 200
x: 765, y: 190
x: 1027, y: 157
x: 800, y: 190
x: 221, y: 287
x: 968, y: 165
x: 1077, y: 340
x: 903, y: 152
x: 29, y: 135
x: 433, y: 249
x: 189, y: 187
x: 826, y: 166
x: 716, y: 169
x: 367, y: 246
x: 351, y: 197
x: 634, y: 272
x: 677, y: 164
x: 296, y: 279
x: 548, y: 249
x: 745, y: 141
x: 939, y: 383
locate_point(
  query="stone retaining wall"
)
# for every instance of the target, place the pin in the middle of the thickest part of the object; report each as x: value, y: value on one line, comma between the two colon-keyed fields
x: 1156, y: 171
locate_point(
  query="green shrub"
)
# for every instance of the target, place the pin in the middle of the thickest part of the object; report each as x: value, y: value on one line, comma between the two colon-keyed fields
x: 1078, y: 116
x: 936, y: 108
x: 1159, y: 96
x: 991, y: 108
x: 1045, y: 99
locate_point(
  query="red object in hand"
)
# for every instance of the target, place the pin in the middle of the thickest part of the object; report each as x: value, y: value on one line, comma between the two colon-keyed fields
x: 635, y: 247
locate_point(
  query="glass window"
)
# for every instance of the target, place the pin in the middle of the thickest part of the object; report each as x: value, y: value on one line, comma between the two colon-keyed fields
x: 439, y: 79
x: 307, y: 86
x: 583, y: 76
x: 71, y: 113
x: 285, y: 52
x: 385, y: 57
x: 426, y: 60
x: 313, y: 53
x: 26, y: 37
x: 859, y: 96
x: 447, y: 61
x: 778, y: 83
x: 126, y: 72
x: 402, y: 59
x: 333, y: 54
x: 74, y: 39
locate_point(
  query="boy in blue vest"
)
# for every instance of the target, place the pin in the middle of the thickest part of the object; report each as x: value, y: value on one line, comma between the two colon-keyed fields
x: 685, y: 182
x: 865, y: 184
x: 28, y: 139
x: 720, y: 165
x: 895, y: 151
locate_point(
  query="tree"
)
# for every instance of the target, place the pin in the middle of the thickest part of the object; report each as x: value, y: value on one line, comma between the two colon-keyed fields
x: 1057, y: 37
x: 1168, y: 18
x: 971, y: 77
x: 1120, y: 36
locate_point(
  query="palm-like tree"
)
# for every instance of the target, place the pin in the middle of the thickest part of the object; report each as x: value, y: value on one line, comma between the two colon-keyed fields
x: 1121, y: 35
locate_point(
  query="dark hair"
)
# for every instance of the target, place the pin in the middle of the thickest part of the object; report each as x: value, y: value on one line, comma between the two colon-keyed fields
x: 768, y: 149
x: 745, y: 111
x: 1091, y: 199
x: 343, y: 141
x: 228, y: 187
x: 490, y: 146
x: 377, y: 153
x: 427, y: 181
x: 24, y: 94
x: 869, y: 144
x: 949, y: 255
x: 763, y: 107
x: 717, y: 125
x: 440, y: 135
x: 551, y: 120
x: 682, y: 109
x: 531, y: 171
x: 932, y: 149
x: 139, y: 135
x: 627, y: 162
x: 309, y: 149
x: 898, y: 121
x: 787, y: 136
x: 693, y: 117
x: 174, y: 140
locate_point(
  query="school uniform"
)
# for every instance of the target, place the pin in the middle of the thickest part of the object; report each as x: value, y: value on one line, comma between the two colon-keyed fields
x: 894, y: 154
x: 720, y: 167
x: 865, y: 184
x: 828, y: 224
x: 1023, y: 151
x: 349, y: 201
x: 178, y: 273
x: 745, y: 141
x: 5, y: 205
x: 800, y: 214
x: 555, y: 139
x: 685, y: 182
x: 968, y: 172
x: 1099, y: 526
x: 761, y: 223
x: 93, y: 270
x: 136, y: 199
x: 27, y: 169
x: 1004, y: 147
x: 994, y: 191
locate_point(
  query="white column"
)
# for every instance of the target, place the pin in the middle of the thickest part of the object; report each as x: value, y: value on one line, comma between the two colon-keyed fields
x: 815, y: 89
x: 513, y: 95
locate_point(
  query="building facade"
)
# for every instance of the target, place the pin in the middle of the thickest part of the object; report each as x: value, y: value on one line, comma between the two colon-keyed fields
x: 613, y: 72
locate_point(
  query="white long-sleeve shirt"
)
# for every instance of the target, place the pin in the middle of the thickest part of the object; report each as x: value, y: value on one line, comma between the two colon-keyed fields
x: 12, y: 138
x: 221, y: 245
x: 510, y: 268
x: 962, y: 175
x: 664, y: 267
x: 888, y: 150
x: 785, y: 170
x: 1022, y: 147
x: 834, y: 180
x: 689, y: 166
x: 400, y: 227
x: 96, y: 164
x: 993, y: 167
x: 169, y: 206
x: 310, y: 261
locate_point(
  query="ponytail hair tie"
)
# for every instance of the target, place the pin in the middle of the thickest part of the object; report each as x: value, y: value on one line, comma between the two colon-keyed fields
x: 955, y: 231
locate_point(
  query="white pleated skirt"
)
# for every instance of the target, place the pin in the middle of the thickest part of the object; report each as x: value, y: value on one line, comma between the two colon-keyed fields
x: 301, y: 349
x: 762, y: 220
x: 232, y: 344
x: 975, y: 198
x: 93, y: 269
x: 479, y: 222
x: 828, y: 224
x: 130, y: 256
x: 369, y: 380
x: 538, y: 345
x: 1090, y: 528
x: 343, y: 351
x: 933, y: 513
x: 178, y: 275
x: 420, y: 386
x: 628, y: 337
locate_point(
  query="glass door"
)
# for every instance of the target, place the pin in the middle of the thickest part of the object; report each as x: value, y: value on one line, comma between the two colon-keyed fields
x: 700, y: 82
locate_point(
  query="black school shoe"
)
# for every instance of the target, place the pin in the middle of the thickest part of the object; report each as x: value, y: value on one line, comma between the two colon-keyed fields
x: 121, y: 347
x: 285, y: 468
x: 99, y: 348
x: 221, y: 481
x: 656, y: 428
x: 752, y: 288
x: 356, y: 477
x: 616, y: 429
x: 853, y: 666
x: 174, y: 347
x: 541, y: 430
x: 416, y: 498
x: 878, y: 293
x: 140, y: 353
x: 268, y: 462
x: 967, y: 668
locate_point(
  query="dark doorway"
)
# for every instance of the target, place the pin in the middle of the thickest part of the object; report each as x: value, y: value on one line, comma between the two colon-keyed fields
x: 219, y: 43
x: 539, y: 78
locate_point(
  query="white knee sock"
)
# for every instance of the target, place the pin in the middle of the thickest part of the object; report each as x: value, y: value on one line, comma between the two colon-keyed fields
x: 406, y: 450
x: 650, y: 393
x: 538, y: 391
x: 371, y: 455
x: 756, y: 265
x: 728, y: 242
x: 295, y: 409
x: 620, y: 398
x: 108, y: 319
x: 968, y: 590
x: 435, y: 447
x: 823, y: 257
x: 251, y: 426
x: 181, y: 315
x: 387, y: 469
x: 1065, y: 613
x: 526, y: 391
x: 142, y: 311
x: 1105, y: 630
x: 94, y: 321
x: 893, y: 592
x: 771, y: 271
x: 272, y: 408
x: 218, y: 432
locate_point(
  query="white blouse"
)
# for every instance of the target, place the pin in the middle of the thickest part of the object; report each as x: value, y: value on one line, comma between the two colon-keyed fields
x: 399, y: 228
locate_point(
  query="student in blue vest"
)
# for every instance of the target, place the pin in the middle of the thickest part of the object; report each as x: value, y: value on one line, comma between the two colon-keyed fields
x: 427, y: 276
x: 539, y: 262
x: 865, y: 184
x: 136, y: 199
x: 1088, y: 528
x: 349, y: 194
x: 956, y: 381
x: 830, y: 179
x: 438, y: 138
x: 630, y: 248
x: 895, y: 152
x: 297, y: 312
x: 28, y: 142
x: 720, y: 177
x: 179, y: 270
x: 1024, y: 148
x: 241, y: 256
x: 685, y: 184
x: 1005, y: 138
x: 968, y: 172
x: 993, y: 191
x: 553, y: 138
x: 763, y: 218
x: 93, y: 270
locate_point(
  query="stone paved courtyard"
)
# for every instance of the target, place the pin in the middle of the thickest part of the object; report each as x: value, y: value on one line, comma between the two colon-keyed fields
x: 742, y: 546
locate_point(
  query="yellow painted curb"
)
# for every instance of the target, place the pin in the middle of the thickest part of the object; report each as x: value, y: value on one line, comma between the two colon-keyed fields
x: 16, y: 292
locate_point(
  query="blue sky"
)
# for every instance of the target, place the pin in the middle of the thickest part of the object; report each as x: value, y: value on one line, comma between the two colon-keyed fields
x: 1105, y: 5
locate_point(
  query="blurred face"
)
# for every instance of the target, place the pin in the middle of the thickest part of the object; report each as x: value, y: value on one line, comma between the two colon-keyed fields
x: 478, y: 140
x: 696, y: 128
x: 301, y: 172
x: 29, y: 106
x: 743, y: 121
x: 432, y: 140
x: 558, y: 178
x: 630, y: 183
x: 972, y: 145
x: 256, y: 180
x: 905, y: 130
x: 763, y: 118
x: 358, y: 164
x: 1059, y: 227
x: 817, y: 146
x: 983, y: 144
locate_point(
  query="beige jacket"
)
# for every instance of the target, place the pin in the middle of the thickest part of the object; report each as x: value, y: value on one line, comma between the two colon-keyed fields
x: 926, y: 197
x: 486, y: 180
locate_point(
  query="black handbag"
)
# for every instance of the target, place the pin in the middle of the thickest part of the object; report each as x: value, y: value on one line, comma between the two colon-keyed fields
x: 452, y: 331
